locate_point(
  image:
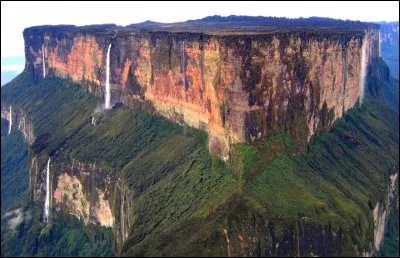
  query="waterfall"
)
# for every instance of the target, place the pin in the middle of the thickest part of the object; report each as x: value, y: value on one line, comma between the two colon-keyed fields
x: 183, y: 57
x: 10, y: 124
x: 380, y: 51
x: 108, y: 96
x: 44, y: 65
x: 47, y: 202
x: 363, y: 69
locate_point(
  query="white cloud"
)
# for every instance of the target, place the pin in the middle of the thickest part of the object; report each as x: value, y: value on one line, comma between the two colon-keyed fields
x: 15, y: 16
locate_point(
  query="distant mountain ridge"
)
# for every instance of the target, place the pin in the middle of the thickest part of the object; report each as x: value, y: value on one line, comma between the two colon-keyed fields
x: 279, y: 21
x: 389, y: 35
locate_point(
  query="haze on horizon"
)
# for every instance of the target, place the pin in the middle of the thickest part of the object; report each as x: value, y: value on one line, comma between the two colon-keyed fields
x: 15, y: 16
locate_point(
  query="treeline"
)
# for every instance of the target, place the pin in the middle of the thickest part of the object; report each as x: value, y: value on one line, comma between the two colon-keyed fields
x: 282, y: 22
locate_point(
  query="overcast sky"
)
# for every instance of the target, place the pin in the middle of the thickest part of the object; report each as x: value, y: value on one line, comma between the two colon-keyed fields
x: 15, y: 16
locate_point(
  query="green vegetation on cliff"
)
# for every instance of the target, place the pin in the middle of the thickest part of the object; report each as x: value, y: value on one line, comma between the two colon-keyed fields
x: 335, y: 184
x: 166, y: 167
x: 332, y: 185
x: 272, y: 199
x: 390, y: 244
x: 14, y: 168
x: 48, y: 104
x: 27, y: 236
x: 57, y: 108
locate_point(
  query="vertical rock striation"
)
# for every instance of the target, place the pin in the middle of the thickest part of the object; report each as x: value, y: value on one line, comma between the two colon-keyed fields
x: 20, y: 121
x: 382, y: 210
x: 235, y: 87
x: 80, y: 189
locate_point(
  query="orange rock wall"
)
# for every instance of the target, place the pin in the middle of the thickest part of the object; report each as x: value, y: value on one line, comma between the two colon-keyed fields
x: 237, y: 88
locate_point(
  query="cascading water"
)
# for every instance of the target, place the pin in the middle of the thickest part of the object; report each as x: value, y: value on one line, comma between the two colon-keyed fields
x: 108, y: 96
x: 363, y: 69
x: 183, y: 57
x: 47, y: 202
x: 380, y: 51
x: 10, y: 124
x: 44, y: 65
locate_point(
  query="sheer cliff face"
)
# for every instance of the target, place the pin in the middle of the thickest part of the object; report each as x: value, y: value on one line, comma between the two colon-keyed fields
x: 83, y: 190
x: 20, y: 121
x: 237, y: 88
x: 381, y: 211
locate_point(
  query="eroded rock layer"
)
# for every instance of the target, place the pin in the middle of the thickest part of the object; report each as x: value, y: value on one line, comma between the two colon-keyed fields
x: 235, y: 87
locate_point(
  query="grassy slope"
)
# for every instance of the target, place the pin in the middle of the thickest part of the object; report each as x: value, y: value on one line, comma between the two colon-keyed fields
x: 336, y: 182
x: 174, y: 187
x: 149, y: 153
x: 344, y: 170
x: 48, y: 104
x: 57, y: 107
x: 183, y: 196
x: 346, y: 164
x: 172, y: 175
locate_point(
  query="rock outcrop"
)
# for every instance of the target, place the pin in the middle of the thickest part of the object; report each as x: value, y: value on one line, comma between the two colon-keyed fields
x: 20, y: 121
x: 382, y: 210
x: 235, y: 87
x: 83, y: 190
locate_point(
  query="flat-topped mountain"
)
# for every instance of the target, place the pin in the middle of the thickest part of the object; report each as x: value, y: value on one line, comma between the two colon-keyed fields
x: 230, y: 25
x: 298, y: 74
x: 224, y: 136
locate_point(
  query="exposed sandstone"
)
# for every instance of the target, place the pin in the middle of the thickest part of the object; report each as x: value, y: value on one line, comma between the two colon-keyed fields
x: 79, y: 189
x: 21, y: 122
x: 69, y: 194
x: 237, y: 88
